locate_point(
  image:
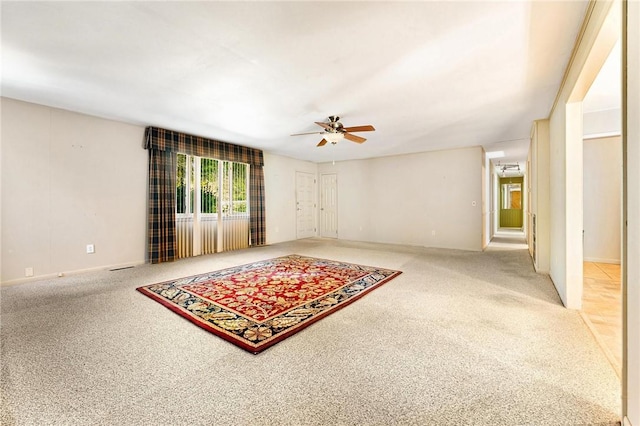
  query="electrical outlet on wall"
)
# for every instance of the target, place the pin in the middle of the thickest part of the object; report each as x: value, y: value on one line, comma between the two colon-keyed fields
x: 90, y: 249
x: 28, y: 272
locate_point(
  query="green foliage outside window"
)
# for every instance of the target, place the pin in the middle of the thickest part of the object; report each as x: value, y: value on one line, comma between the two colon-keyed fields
x: 239, y: 194
x: 208, y: 185
x: 233, y: 189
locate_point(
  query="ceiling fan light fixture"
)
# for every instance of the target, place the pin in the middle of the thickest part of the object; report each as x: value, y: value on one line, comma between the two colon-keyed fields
x: 333, y: 137
x: 503, y: 168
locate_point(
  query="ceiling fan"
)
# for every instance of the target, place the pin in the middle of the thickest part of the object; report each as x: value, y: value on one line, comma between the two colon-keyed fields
x: 335, y: 131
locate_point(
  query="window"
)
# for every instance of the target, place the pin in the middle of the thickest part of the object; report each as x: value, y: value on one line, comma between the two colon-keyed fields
x: 209, y: 185
x: 235, y: 188
x: 228, y: 188
x: 218, y: 191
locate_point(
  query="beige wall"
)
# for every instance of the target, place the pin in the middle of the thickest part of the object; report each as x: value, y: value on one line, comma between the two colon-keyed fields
x: 540, y: 189
x: 420, y: 199
x: 69, y: 180
x: 602, y: 123
x: 602, y: 199
x: 280, y: 195
x: 558, y: 192
x: 486, y: 199
x: 631, y: 265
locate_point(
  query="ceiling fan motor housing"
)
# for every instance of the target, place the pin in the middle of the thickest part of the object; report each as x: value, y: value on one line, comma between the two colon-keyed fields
x: 335, y: 124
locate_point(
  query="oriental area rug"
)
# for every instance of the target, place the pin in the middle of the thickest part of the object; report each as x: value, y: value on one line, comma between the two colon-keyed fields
x: 260, y: 304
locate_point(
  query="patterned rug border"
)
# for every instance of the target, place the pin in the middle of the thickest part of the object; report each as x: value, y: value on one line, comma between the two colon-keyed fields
x: 261, y: 346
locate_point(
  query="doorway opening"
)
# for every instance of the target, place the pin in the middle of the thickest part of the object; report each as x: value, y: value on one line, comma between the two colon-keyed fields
x: 602, y: 209
x: 511, y: 203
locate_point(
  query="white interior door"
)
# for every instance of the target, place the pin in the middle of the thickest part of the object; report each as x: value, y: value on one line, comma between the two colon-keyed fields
x: 329, y: 205
x: 305, y: 205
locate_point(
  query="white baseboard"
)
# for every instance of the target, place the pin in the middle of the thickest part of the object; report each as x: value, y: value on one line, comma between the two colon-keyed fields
x: 599, y: 260
x: 602, y: 344
x: 62, y: 274
x: 626, y: 421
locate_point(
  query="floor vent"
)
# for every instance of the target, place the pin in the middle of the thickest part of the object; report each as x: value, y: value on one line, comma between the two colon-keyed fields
x: 120, y: 269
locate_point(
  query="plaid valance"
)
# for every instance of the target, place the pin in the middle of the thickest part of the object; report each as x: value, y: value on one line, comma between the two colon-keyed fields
x: 169, y: 140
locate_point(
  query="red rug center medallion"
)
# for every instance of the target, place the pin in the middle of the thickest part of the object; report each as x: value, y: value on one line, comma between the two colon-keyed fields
x: 263, y: 293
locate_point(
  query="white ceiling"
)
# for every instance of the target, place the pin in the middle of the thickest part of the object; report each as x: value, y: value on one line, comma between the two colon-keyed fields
x: 428, y: 75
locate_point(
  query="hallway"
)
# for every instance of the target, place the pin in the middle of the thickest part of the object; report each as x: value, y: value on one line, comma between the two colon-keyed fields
x: 508, y: 239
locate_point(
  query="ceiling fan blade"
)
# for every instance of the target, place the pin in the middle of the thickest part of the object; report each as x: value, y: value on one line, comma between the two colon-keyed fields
x: 310, y: 133
x: 324, y: 125
x: 323, y: 142
x: 367, y: 128
x: 354, y: 138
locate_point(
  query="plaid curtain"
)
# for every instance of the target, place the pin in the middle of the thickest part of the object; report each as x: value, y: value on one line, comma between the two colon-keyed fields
x: 257, y: 232
x: 162, y: 201
x: 162, y: 206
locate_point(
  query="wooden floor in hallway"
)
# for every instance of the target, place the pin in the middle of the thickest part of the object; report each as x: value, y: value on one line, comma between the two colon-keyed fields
x: 602, y: 308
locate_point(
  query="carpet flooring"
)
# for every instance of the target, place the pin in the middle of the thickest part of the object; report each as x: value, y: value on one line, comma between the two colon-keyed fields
x: 464, y: 338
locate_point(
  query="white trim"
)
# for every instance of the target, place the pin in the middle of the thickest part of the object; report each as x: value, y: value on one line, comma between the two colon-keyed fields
x: 618, y: 108
x: 74, y: 272
x: 626, y: 421
x: 598, y: 260
x: 603, y: 346
x: 602, y: 135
